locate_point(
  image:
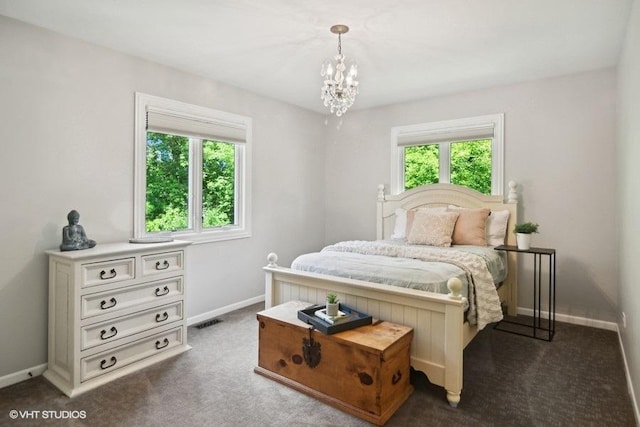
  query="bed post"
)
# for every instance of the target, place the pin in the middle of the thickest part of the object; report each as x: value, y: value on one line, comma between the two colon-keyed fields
x: 512, y: 260
x: 454, y: 347
x: 272, y: 258
x: 379, y: 219
x: 454, y: 344
x: 513, y: 194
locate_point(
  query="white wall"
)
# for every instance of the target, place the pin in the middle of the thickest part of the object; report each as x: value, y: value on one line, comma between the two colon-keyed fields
x: 66, y: 135
x: 629, y: 200
x: 560, y: 148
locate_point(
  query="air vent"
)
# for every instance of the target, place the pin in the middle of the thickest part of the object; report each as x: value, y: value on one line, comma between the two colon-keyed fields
x: 207, y: 323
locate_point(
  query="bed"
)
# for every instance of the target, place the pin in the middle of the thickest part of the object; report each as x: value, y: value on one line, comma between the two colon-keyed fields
x: 441, y: 321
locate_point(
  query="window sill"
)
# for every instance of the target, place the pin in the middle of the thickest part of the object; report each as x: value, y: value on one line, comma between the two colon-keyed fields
x: 210, y: 236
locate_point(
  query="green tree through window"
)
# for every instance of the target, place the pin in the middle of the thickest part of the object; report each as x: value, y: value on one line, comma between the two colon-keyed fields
x: 469, y: 164
x: 421, y: 165
x: 167, y: 182
x: 167, y: 202
x: 218, y: 176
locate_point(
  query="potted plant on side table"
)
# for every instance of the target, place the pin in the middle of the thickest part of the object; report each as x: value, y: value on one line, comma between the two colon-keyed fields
x: 332, y: 304
x: 523, y: 234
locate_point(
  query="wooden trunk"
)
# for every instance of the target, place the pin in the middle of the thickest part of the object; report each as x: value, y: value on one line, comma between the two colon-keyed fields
x: 364, y: 371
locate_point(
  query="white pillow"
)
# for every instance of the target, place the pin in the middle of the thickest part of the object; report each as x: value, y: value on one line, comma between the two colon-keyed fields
x: 402, y: 220
x: 497, y: 227
x: 399, y: 230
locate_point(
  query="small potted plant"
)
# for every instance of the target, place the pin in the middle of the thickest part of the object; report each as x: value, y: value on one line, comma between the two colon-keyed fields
x: 523, y: 234
x: 332, y: 304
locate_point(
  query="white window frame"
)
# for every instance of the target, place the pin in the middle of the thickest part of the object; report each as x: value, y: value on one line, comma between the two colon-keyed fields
x: 445, y: 133
x: 242, y: 204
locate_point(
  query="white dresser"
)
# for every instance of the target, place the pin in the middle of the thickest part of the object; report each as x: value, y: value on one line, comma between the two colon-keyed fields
x: 114, y: 309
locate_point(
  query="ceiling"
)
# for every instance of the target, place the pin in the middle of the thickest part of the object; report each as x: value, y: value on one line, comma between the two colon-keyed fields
x: 405, y: 50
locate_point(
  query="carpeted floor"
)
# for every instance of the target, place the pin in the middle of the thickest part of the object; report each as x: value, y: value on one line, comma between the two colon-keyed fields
x: 509, y: 380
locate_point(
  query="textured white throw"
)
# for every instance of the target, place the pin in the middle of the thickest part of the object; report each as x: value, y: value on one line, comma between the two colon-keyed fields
x: 484, y: 303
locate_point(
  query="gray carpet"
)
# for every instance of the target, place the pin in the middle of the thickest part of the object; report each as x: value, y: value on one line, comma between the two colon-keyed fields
x: 576, y: 380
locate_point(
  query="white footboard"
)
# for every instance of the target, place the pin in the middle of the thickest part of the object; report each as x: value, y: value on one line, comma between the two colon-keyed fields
x: 440, y: 333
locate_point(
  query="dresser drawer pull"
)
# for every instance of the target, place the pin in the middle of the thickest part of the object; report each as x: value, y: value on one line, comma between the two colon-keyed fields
x: 103, y: 364
x: 112, y: 274
x: 165, y: 291
x: 162, y: 317
x: 162, y: 345
x: 113, y: 330
x: 162, y: 266
x: 104, y: 306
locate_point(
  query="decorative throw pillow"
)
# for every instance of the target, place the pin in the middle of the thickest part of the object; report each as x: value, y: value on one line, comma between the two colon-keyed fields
x: 411, y: 213
x: 432, y: 228
x: 470, y: 227
x: 497, y: 227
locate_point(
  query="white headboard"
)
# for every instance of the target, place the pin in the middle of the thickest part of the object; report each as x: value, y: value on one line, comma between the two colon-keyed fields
x: 442, y: 195
x: 450, y: 194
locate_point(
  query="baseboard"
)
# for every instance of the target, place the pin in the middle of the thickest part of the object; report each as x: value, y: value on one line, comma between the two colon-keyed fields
x: 632, y: 393
x: 575, y: 320
x: 23, y: 375
x: 223, y: 310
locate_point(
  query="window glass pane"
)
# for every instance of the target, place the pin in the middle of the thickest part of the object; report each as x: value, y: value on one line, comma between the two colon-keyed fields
x: 471, y: 164
x: 421, y: 165
x: 167, y: 192
x: 218, y: 183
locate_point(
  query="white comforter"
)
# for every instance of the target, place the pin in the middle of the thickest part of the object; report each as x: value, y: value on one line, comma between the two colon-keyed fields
x: 399, y: 264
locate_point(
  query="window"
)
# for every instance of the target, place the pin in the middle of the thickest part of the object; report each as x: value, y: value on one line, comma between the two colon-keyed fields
x: 192, y: 171
x: 466, y: 152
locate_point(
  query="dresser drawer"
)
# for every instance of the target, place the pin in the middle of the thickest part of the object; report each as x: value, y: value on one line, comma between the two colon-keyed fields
x: 104, y: 332
x: 162, y: 263
x: 108, y: 361
x: 102, y: 273
x: 118, y: 299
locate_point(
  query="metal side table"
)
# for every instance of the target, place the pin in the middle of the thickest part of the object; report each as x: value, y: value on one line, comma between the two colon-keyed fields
x: 542, y: 329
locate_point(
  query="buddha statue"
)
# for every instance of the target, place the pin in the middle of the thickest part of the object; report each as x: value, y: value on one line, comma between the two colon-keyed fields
x: 73, y: 235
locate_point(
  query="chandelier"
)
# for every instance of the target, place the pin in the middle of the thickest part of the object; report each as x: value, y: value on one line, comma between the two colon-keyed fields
x: 339, y: 90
